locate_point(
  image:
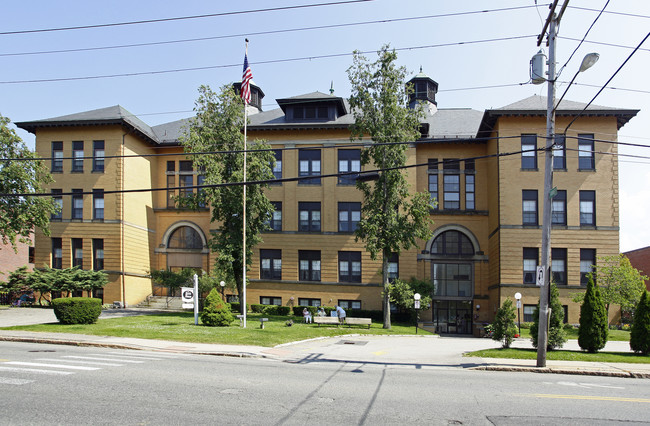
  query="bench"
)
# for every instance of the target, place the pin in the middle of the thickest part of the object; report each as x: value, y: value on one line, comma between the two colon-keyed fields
x: 358, y: 321
x: 326, y: 320
x: 262, y: 321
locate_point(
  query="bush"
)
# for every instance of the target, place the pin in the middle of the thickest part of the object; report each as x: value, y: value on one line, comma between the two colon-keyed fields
x: 555, y: 334
x: 592, y: 335
x: 640, y: 334
x: 216, y: 312
x: 568, y: 327
x: 504, y: 324
x: 526, y: 325
x: 257, y: 308
x: 77, y: 310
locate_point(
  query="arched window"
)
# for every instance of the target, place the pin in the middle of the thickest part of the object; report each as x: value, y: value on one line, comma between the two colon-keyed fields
x: 185, y: 237
x: 452, y: 243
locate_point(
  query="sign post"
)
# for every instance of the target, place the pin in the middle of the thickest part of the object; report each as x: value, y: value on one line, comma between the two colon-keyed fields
x: 196, y: 299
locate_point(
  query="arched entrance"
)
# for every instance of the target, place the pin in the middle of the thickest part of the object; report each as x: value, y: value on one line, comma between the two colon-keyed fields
x: 452, y: 252
x: 185, y: 246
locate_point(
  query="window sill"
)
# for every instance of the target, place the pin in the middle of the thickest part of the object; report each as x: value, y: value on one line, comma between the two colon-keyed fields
x: 97, y: 171
x: 529, y: 170
x: 587, y: 170
x: 563, y: 169
x: 76, y: 171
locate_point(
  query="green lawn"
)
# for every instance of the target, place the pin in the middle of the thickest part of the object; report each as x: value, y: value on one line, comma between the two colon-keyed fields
x: 562, y: 355
x: 180, y: 327
x: 613, y: 335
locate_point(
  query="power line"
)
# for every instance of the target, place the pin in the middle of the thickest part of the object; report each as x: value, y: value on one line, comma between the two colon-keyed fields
x: 180, y: 18
x: 287, y: 30
x: 634, y: 15
x: 272, y: 61
x: 601, y: 43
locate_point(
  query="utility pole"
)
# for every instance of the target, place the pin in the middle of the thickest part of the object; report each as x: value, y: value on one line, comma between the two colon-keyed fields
x: 544, y: 292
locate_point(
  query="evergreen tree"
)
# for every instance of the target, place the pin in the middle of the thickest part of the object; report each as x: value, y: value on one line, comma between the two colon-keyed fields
x: 592, y: 335
x: 640, y: 335
x: 504, y: 324
x: 556, y: 333
x: 215, y: 311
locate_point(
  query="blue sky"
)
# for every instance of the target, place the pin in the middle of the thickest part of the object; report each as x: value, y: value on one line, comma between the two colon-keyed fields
x: 163, y: 97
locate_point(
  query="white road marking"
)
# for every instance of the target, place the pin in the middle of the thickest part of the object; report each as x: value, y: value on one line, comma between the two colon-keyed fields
x: 104, y: 364
x: 161, y: 355
x: 36, y: 371
x: 94, y: 358
x: 8, y: 381
x: 40, y: 364
x: 588, y: 385
x: 132, y: 356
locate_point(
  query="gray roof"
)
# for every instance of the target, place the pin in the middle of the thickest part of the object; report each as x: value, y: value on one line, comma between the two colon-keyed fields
x: 454, y: 123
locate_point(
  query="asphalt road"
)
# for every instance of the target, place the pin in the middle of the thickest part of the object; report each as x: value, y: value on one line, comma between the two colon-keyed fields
x: 48, y: 384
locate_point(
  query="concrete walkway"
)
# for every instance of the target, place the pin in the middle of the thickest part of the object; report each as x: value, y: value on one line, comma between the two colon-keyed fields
x: 423, y: 351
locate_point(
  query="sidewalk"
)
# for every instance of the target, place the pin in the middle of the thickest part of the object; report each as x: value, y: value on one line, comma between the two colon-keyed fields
x: 424, y: 351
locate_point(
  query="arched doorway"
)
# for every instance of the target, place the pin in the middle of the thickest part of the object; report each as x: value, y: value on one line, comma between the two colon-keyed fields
x: 452, y: 252
x: 184, y: 245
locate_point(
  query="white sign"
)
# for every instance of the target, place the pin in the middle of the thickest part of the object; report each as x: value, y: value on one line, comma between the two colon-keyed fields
x: 540, y: 276
x: 187, y: 297
x: 417, y: 304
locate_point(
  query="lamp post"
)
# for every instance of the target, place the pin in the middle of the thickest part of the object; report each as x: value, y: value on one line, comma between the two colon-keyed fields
x: 416, y: 302
x: 518, y: 298
x: 223, y: 287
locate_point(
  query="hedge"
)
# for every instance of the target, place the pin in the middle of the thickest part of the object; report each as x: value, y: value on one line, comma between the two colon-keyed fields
x: 77, y: 310
x: 270, y: 309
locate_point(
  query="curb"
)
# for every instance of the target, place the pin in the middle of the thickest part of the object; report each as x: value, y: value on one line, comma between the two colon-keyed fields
x: 550, y: 370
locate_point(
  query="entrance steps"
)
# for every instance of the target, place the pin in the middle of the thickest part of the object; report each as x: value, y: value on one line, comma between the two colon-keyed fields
x: 161, y: 302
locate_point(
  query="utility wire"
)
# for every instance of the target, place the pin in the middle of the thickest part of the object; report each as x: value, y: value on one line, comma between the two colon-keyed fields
x: 601, y: 43
x: 181, y: 18
x: 272, y: 61
x: 249, y: 34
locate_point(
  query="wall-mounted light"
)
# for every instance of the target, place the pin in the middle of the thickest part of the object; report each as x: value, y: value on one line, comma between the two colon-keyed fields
x: 478, y: 307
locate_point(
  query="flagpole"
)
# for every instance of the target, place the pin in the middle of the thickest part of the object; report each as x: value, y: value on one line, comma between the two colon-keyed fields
x: 244, y: 202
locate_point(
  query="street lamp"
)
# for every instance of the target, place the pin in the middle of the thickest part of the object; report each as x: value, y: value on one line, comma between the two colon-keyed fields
x: 587, y: 62
x: 518, y: 298
x: 416, y: 300
x: 223, y: 286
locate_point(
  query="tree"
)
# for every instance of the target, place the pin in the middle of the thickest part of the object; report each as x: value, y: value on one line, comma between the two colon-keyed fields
x: 592, y: 335
x: 640, y: 334
x: 390, y: 221
x: 504, y: 324
x: 19, y: 215
x: 556, y: 334
x: 171, y: 279
x: 618, y: 281
x: 216, y: 312
x: 17, y: 283
x: 217, y: 129
x: 401, y: 292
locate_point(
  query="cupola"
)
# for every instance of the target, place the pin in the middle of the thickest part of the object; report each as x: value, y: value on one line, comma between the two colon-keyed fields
x: 257, y: 94
x: 424, y: 90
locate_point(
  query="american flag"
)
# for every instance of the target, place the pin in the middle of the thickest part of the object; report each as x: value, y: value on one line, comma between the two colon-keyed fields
x: 245, y: 92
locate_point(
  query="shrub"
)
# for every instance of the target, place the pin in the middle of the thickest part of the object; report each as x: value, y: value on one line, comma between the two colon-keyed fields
x: 257, y: 308
x: 216, y: 312
x: 568, y: 327
x: 77, y: 310
x: 640, y: 334
x: 556, y: 334
x: 592, y: 334
x: 504, y: 324
x: 526, y: 325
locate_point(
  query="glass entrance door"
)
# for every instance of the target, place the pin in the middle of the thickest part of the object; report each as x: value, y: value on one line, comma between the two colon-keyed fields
x: 452, y: 316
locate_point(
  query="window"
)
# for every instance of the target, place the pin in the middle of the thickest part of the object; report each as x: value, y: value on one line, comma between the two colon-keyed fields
x: 529, y: 207
x: 565, y: 308
x: 531, y: 257
x: 529, y: 152
x: 349, y: 161
x: 350, y: 266
x: 171, y: 193
x: 309, y: 217
x: 185, y: 166
x: 271, y: 264
x: 393, y: 267
x: 309, y: 165
x: 57, y: 253
x: 98, y: 204
x: 586, y: 152
x: 451, y: 192
x: 58, y: 202
x: 588, y: 208
x: 308, y: 302
x: 529, y: 313
x: 469, y: 192
x: 452, y: 243
x: 587, y: 263
x: 185, y: 237
x: 320, y: 113
x: 98, y: 156
x: 57, y: 157
x: 452, y: 279
x: 200, y: 180
x: 77, y: 252
x: 30, y: 254
x: 171, y: 166
x: 77, y: 204
x: 309, y: 261
x: 186, y: 178
x: 558, y: 265
x: 276, y: 218
x: 558, y: 206
x: 559, y: 153
x: 350, y: 304
x: 277, y: 167
x: 267, y: 300
x: 433, y: 189
x: 349, y: 216
x: 78, y: 156
x: 98, y: 254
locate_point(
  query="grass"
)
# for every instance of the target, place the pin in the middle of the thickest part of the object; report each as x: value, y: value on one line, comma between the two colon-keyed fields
x: 180, y: 327
x: 562, y: 355
x: 613, y: 335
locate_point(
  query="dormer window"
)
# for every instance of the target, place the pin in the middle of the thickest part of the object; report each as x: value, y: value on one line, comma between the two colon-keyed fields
x: 313, y: 107
x: 311, y: 112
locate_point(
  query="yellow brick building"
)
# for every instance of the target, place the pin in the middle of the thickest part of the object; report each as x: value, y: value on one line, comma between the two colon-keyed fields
x: 479, y: 167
